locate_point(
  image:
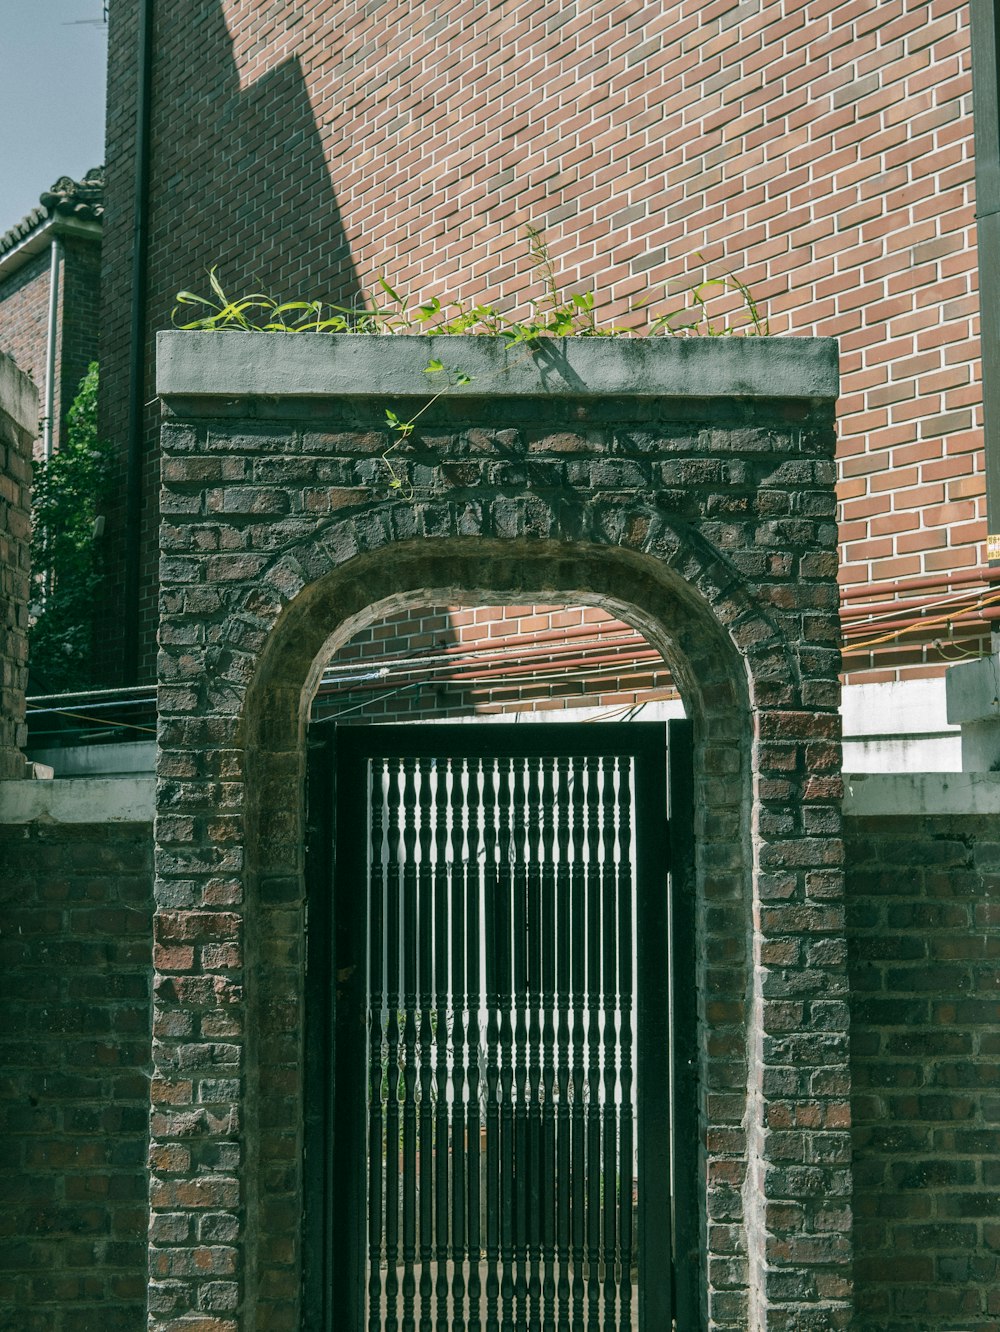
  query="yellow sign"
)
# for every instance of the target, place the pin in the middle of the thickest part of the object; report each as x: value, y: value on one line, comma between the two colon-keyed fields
x: 993, y: 547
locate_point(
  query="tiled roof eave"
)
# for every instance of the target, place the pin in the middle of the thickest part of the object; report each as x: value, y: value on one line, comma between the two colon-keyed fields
x: 20, y: 230
x: 68, y: 200
x: 41, y: 236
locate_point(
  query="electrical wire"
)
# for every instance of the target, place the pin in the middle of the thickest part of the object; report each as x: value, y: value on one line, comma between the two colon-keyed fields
x: 931, y: 604
x: 920, y: 622
x: 98, y: 721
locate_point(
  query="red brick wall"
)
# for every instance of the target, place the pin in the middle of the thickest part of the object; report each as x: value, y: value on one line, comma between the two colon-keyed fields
x: 454, y: 660
x: 24, y: 318
x: 925, y: 966
x: 822, y: 151
x: 75, y: 959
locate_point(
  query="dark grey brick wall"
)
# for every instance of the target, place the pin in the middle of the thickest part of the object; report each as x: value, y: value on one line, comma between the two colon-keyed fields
x: 923, y: 911
x: 75, y: 925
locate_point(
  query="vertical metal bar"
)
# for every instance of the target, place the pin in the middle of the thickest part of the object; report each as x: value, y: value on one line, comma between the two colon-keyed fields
x: 350, y: 996
x: 392, y: 997
x: 473, y: 954
x: 653, y: 1046
x: 684, y: 1023
x: 547, y: 944
x: 518, y: 884
x: 578, y: 920
x: 425, y: 917
x: 505, y: 883
x: 442, y: 907
x: 562, y: 889
x: 409, y: 1044
x: 376, y: 1003
x: 452, y: 883
x: 493, y: 935
x: 533, y: 949
x: 320, y: 1161
x: 626, y: 945
x: 593, y: 1042
x: 609, y: 1004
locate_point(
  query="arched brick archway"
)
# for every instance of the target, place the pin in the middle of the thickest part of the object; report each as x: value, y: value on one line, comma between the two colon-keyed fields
x: 730, y: 578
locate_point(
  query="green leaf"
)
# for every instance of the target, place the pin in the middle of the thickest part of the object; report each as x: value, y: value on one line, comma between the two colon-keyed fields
x: 462, y: 378
x: 393, y: 296
x: 216, y: 285
x: 433, y: 367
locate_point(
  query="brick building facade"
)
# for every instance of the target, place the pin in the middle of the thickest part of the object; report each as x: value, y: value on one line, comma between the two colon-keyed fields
x: 57, y: 245
x: 824, y: 154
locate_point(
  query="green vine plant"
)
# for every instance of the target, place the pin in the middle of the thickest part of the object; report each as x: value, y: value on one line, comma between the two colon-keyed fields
x: 552, y: 314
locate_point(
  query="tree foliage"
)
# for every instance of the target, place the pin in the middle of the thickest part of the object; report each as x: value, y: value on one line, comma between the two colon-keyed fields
x: 70, y: 491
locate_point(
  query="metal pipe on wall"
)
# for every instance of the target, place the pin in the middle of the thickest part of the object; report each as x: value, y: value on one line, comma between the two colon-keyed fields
x: 984, y: 17
x: 137, y: 343
x: 52, y: 338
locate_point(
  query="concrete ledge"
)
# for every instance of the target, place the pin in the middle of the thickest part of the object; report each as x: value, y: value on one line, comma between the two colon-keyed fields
x: 866, y: 795
x: 916, y: 794
x: 239, y: 365
x: 81, y: 800
x: 18, y: 397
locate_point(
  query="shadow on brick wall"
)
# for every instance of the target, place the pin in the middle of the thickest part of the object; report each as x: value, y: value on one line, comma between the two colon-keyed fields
x: 239, y: 181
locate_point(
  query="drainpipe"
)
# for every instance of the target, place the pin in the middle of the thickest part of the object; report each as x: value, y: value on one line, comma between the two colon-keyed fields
x: 137, y: 341
x: 985, y: 34
x: 52, y: 334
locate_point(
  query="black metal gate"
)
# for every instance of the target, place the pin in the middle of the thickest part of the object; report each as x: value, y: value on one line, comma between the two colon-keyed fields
x: 493, y: 1125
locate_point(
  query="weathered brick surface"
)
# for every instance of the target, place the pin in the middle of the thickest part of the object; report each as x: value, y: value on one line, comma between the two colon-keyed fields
x: 17, y: 429
x: 923, y: 911
x: 710, y: 525
x: 75, y: 925
x: 823, y: 151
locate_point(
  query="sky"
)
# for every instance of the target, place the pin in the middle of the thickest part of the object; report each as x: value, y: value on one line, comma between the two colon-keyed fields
x: 52, y: 81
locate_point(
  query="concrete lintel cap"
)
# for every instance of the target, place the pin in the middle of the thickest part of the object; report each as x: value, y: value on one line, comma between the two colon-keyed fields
x: 233, y: 364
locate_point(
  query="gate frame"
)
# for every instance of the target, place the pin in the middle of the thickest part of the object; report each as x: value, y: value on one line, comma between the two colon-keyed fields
x: 663, y: 745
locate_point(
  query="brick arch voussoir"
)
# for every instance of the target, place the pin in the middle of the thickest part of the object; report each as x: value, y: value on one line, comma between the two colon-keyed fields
x: 722, y: 585
x: 696, y: 566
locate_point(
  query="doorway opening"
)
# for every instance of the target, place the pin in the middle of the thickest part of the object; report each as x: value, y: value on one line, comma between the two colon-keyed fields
x: 503, y: 1123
